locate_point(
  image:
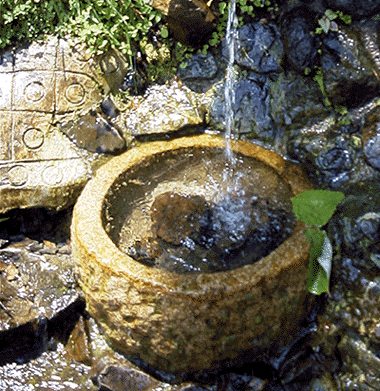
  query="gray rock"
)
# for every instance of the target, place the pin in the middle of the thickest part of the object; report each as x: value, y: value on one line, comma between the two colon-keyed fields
x: 114, y: 375
x: 355, y: 8
x: 371, y: 139
x: 299, y: 45
x: 200, y: 66
x: 350, y: 61
x: 251, y: 109
x: 259, y: 47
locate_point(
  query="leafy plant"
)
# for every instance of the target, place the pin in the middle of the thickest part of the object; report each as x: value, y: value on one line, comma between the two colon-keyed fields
x: 318, y: 77
x: 100, y: 23
x: 315, y: 208
x: 244, y: 8
x: 327, y: 21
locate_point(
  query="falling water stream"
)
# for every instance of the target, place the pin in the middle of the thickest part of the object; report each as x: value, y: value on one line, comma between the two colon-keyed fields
x: 229, y: 90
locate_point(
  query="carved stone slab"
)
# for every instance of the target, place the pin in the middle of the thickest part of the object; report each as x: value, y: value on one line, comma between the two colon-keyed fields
x: 40, y: 86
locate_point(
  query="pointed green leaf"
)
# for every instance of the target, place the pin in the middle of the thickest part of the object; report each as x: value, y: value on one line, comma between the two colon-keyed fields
x: 325, y: 24
x: 331, y: 14
x: 315, y: 207
x: 164, y: 32
x: 320, y: 260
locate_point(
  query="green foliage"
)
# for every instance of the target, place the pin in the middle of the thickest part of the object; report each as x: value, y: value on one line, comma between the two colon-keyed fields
x: 4, y: 219
x: 318, y: 77
x: 100, y: 23
x: 244, y: 8
x: 316, y: 207
x: 326, y: 22
x: 319, y: 261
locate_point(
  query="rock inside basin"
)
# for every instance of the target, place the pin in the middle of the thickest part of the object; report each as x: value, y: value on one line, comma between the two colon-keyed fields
x: 173, y: 320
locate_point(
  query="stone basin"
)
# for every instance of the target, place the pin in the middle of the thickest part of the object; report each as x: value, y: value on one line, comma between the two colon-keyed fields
x: 184, y: 323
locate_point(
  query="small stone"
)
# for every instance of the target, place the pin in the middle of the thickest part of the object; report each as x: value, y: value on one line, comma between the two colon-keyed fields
x: 49, y: 248
x: 64, y: 249
x: 256, y: 384
x: 94, y: 133
x: 3, y: 243
x: 191, y: 387
x: 113, y: 375
x: 77, y: 347
x: 12, y: 272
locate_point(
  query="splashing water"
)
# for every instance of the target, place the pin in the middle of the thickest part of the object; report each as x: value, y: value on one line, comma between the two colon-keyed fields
x: 229, y: 90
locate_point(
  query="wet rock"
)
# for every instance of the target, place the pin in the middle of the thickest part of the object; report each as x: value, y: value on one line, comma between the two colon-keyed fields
x: 15, y: 310
x: 25, y: 342
x: 177, y: 217
x: 164, y: 109
x: 201, y: 72
x: 116, y: 375
x: 50, y: 371
x: 350, y: 64
x: 190, y: 21
x: 300, y: 46
x: 238, y: 221
x: 361, y: 363
x: 371, y: 139
x: 328, y: 159
x: 256, y: 384
x: 200, y: 66
x: 259, y: 47
x: 43, y: 85
x: 196, y: 237
x: 324, y: 383
x: 349, y: 324
x: 355, y: 8
x: 35, y: 281
x: 191, y: 387
x: 251, y: 108
x: 358, y: 221
x: 94, y: 133
x: 295, y: 101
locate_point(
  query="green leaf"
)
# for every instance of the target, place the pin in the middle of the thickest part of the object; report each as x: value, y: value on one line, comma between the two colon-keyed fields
x: 320, y: 260
x: 345, y: 18
x: 325, y: 24
x: 331, y: 14
x: 164, y: 32
x: 315, y: 207
x: 4, y: 219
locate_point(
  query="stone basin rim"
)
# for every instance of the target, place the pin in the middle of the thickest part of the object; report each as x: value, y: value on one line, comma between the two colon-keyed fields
x: 101, y: 249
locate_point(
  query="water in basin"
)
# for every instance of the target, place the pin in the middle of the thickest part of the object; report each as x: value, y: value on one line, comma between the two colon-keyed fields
x: 192, y: 210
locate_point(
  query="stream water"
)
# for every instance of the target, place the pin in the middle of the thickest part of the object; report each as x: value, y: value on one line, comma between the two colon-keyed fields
x: 229, y: 90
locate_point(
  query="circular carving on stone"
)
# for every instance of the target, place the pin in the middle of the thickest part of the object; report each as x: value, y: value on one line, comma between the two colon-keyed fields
x: 34, y: 91
x: 75, y: 93
x: 52, y: 175
x: 33, y: 138
x: 109, y: 64
x: 18, y: 175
